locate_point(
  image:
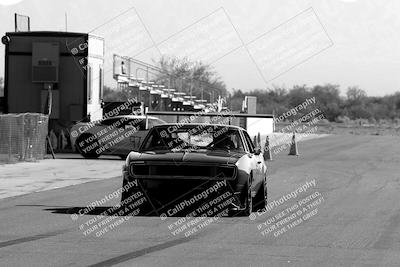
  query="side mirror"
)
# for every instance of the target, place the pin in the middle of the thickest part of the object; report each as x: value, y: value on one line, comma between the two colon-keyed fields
x: 257, y: 151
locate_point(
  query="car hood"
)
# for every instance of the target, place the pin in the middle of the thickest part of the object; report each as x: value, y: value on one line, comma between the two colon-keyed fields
x: 217, y: 156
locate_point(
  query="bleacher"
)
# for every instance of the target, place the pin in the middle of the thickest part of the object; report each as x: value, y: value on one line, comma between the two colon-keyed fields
x: 153, y: 92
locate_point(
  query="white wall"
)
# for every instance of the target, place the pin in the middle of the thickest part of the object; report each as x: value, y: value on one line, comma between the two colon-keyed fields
x: 95, y: 61
x: 264, y: 126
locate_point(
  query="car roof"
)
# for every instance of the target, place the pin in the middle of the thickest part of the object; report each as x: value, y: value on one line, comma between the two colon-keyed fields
x: 183, y: 125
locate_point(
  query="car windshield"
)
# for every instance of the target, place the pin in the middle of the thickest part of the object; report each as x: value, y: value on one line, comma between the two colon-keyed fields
x: 210, y: 137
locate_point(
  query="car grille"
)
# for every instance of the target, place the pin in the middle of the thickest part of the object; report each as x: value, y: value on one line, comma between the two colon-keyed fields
x: 157, y: 170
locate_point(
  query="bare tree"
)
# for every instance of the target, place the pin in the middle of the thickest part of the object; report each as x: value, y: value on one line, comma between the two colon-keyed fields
x: 194, y: 78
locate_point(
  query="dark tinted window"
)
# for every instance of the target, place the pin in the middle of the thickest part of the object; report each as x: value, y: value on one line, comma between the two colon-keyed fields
x: 206, y: 137
x: 248, y: 141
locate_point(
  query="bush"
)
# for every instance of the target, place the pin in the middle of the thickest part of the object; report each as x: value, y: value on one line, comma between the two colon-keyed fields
x: 343, y: 119
x: 383, y: 121
x: 372, y: 121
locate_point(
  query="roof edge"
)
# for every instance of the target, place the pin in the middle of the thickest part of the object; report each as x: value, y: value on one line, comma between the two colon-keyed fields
x: 48, y: 34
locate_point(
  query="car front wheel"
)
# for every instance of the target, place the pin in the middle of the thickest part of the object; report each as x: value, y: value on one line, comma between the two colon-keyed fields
x: 248, y: 200
x: 260, y: 200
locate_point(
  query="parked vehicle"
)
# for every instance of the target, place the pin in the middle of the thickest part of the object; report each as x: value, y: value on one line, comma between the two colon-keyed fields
x: 117, y: 135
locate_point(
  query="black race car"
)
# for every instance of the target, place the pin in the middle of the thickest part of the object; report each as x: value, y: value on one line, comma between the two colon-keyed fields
x: 190, y: 169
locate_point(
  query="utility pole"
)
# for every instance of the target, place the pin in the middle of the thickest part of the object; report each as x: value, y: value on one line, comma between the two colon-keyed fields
x: 66, y: 22
x: 191, y: 83
x: 202, y: 90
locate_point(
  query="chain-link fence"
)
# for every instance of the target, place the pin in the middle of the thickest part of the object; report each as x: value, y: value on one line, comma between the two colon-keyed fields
x: 23, y: 137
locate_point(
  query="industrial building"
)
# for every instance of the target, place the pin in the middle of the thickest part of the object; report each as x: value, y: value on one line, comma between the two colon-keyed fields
x: 60, y: 73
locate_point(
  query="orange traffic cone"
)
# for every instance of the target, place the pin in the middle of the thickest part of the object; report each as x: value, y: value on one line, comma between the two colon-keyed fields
x: 293, y: 147
x: 267, y: 150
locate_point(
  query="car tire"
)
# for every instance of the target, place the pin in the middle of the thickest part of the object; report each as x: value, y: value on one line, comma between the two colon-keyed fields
x: 260, y: 200
x: 87, y: 155
x: 125, y: 194
x: 248, y: 200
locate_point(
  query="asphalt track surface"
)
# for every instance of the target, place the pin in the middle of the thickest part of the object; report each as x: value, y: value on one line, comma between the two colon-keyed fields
x: 357, y: 223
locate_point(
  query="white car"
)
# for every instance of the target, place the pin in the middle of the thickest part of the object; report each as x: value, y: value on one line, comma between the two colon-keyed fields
x: 117, y: 135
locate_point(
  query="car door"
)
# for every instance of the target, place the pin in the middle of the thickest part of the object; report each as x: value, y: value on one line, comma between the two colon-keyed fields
x: 134, y: 133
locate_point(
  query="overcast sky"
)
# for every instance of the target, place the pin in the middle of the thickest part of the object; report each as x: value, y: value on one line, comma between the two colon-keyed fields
x: 353, y: 42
